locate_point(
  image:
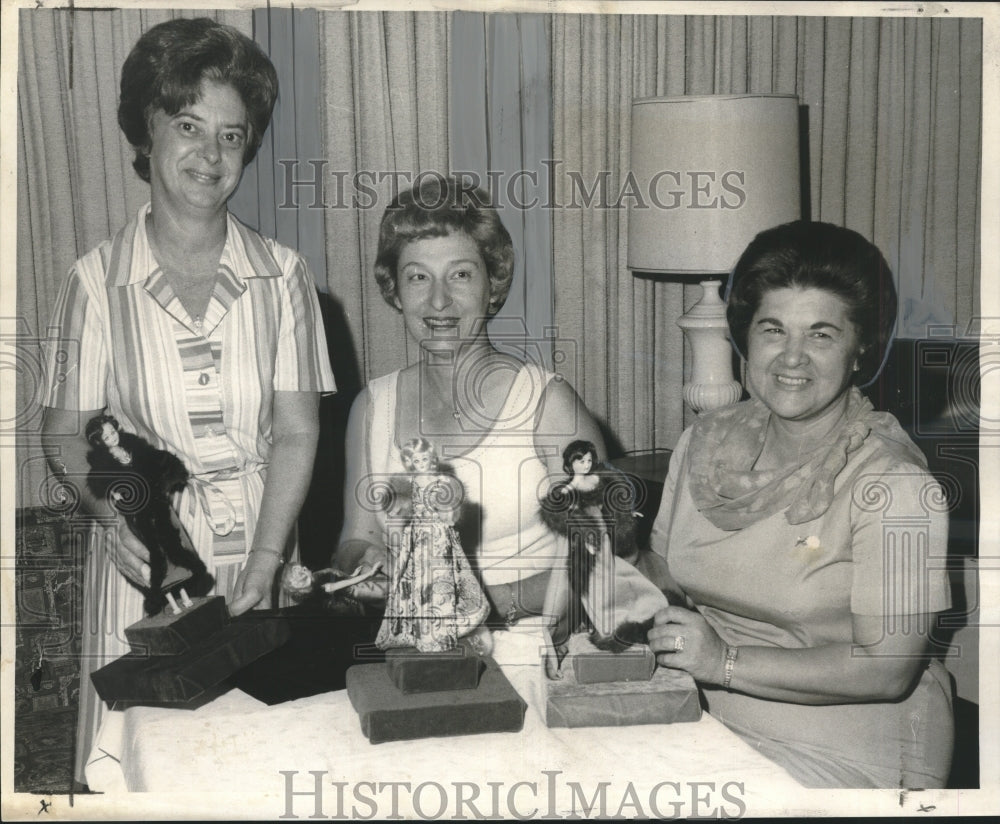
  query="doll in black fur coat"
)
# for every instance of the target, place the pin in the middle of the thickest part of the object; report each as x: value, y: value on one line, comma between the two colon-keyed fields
x: 138, y: 480
x: 594, y: 504
x: 594, y: 499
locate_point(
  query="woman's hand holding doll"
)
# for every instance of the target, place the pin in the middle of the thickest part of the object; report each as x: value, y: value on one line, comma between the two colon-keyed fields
x: 372, y: 563
x: 129, y: 555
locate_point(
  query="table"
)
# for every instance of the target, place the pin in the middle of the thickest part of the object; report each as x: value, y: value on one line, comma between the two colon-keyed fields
x: 309, y: 755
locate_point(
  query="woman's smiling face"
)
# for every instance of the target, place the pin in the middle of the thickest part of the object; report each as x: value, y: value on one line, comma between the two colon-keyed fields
x: 801, y: 351
x: 442, y: 288
x: 196, y: 158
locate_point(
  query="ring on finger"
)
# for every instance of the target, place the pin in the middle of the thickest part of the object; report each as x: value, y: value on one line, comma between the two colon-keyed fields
x: 679, y: 643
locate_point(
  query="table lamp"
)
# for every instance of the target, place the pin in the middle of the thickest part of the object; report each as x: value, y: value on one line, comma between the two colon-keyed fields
x: 712, y: 171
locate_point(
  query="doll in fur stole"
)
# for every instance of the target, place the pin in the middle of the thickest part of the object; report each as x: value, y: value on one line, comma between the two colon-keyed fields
x: 138, y: 480
x: 594, y: 507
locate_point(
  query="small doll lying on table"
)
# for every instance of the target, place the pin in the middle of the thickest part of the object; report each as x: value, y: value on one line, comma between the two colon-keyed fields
x: 327, y: 588
x: 138, y: 480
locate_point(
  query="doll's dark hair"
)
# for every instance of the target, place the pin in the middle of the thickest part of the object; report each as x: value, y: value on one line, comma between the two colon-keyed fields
x: 95, y: 428
x: 417, y: 446
x: 824, y: 256
x: 436, y: 207
x: 576, y: 450
x: 167, y: 66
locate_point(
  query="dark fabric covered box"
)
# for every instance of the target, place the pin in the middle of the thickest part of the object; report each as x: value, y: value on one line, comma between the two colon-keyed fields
x: 414, y: 671
x: 170, y: 634
x: 390, y: 715
x: 668, y: 697
x: 323, y: 646
x: 635, y: 664
x: 180, y: 679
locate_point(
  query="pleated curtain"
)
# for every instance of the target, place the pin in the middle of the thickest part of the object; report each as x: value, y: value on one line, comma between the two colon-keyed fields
x: 501, y: 135
x: 893, y: 115
x: 385, y: 120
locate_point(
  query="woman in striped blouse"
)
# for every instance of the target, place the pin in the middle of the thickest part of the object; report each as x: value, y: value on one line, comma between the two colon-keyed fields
x: 196, y: 333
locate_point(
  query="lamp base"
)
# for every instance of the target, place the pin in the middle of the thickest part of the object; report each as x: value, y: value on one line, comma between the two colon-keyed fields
x: 711, y: 385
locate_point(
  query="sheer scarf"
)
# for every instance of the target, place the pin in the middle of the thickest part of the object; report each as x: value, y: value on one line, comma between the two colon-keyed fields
x: 725, y: 446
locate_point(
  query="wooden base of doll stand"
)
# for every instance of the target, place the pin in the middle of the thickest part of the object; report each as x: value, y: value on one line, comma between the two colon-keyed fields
x: 635, y: 664
x: 170, y: 633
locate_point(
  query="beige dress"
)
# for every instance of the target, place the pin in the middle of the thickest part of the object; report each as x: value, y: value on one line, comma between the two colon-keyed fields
x: 879, y: 549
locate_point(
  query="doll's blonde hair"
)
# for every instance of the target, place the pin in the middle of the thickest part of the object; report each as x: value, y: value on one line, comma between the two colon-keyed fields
x: 418, y: 446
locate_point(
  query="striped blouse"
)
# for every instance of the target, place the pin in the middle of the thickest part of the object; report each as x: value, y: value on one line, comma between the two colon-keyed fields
x: 202, y: 389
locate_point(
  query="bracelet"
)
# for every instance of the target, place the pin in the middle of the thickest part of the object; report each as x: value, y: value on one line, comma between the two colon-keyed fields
x: 731, y: 653
x: 510, y: 617
x: 279, y: 553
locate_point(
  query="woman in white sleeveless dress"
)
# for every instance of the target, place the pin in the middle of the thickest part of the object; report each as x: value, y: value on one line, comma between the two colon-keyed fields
x: 445, y: 261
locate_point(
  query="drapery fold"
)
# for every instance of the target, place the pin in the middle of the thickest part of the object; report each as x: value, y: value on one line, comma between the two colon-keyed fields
x: 892, y: 114
x: 385, y: 120
x: 500, y: 117
x: 275, y: 196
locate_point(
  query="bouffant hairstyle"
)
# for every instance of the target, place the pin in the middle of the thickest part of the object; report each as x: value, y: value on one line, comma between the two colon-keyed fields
x: 167, y: 66
x: 576, y: 450
x: 817, y: 255
x: 436, y: 207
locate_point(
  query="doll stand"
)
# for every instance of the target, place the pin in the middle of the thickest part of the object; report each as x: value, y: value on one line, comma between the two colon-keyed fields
x: 176, y: 658
x: 607, y: 689
x: 389, y: 714
x: 424, y: 694
x: 413, y: 671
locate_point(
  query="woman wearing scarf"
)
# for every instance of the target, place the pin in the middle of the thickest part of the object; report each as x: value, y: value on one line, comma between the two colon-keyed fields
x: 806, y: 535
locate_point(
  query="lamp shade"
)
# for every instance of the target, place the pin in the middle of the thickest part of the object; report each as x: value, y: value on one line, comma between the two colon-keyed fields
x: 710, y: 172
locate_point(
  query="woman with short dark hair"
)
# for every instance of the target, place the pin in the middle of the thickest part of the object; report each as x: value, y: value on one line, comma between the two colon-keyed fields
x: 167, y: 66
x: 437, y: 208
x: 196, y: 333
x: 821, y: 255
x: 807, y: 536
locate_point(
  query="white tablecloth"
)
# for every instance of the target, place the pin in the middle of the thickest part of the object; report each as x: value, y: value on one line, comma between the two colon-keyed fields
x: 236, y: 743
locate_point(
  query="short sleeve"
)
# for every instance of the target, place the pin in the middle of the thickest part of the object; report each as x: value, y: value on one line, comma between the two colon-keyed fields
x: 75, y: 349
x: 303, y: 361
x: 899, y: 543
x: 659, y: 536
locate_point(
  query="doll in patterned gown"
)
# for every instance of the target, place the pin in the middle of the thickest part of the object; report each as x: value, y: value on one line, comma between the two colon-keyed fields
x: 433, y: 596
